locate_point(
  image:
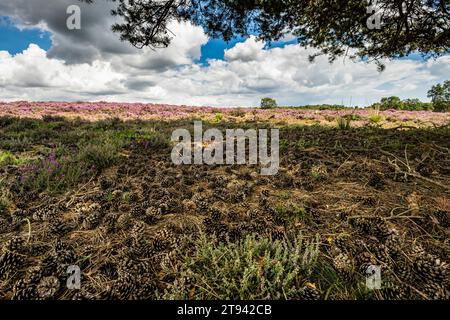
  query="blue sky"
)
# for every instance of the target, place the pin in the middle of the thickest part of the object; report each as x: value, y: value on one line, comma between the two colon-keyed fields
x: 14, y: 40
x: 215, y: 48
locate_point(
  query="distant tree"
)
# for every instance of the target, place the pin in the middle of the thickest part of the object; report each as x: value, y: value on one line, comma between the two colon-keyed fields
x: 268, y: 103
x: 440, y: 96
x: 391, y: 103
x: 373, y: 29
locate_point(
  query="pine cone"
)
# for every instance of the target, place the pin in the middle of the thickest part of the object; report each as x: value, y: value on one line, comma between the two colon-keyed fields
x: 109, y: 269
x: 137, y: 212
x: 138, y: 230
x: 48, y: 287
x: 215, y: 215
x: 109, y: 222
x: 152, y: 215
x: 5, y: 225
x: 91, y: 221
x: 60, y: 228
x: 23, y: 290
x: 124, y: 222
x: 376, y: 181
x: 404, y: 271
x: 436, y: 291
x: 16, y: 244
x: 124, y: 287
x: 310, y: 292
x: 393, y: 291
x: 443, y: 218
x: 431, y: 269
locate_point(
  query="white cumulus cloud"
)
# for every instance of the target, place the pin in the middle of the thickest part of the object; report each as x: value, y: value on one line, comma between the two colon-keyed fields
x: 248, y: 73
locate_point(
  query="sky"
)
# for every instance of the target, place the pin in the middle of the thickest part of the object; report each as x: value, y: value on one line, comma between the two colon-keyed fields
x: 41, y: 59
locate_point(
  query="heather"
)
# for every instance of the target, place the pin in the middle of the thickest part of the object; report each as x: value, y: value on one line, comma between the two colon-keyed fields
x: 137, y: 111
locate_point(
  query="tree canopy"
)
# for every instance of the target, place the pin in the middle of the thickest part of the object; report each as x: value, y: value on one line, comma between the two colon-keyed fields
x: 372, y: 30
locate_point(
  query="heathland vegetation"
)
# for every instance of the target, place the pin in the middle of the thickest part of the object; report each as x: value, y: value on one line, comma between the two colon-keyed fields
x: 80, y: 186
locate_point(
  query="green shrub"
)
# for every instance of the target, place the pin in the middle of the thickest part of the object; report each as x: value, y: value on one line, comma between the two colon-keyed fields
x: 344, y: 123
x: 63, y: 169
x: 16, y: 143
x: 284, y: 145
x: 6, y: 121
x: 218, y: 117
x: 354, y: 117
x: 249, y: 269
x: 22, y: 124
x: 268, y: 103
x: 52, y: 118
x: 99, y: 156
x: 146, y: 139
x: 7, y: 158
x: 291, y: 211
x: 306, y: 143
x: 375, y: 118
x: 109, y: 124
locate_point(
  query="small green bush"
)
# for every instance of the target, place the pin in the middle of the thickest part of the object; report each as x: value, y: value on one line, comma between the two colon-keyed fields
x: 16, y: 143
x: 344, y: 123
x: 375, y: 118
x: 6, y: 121
x: 249, y: 269
x: 52, y: 118
x: 7, y: 158
x: 218, y: 117
x: 99, y: 156
x: 62, y: 168
x: 291, y: 211
x: 23, y: 124
x: 110, y: 124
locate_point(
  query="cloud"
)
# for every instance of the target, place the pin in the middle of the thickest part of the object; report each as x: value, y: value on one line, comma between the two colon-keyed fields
x: 40, y: 77
x: 92, y: 64
x: 184, y: 49
x: 283, y: 73
x: 95, y: 40
x: 250, y: 50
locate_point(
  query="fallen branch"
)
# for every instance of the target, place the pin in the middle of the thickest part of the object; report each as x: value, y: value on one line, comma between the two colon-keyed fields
x: 410, y: 171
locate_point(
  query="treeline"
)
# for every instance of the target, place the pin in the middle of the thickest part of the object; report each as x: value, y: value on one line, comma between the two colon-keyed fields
x: 439, y: 94
x: 440, y: 101
x: 397, y: 104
